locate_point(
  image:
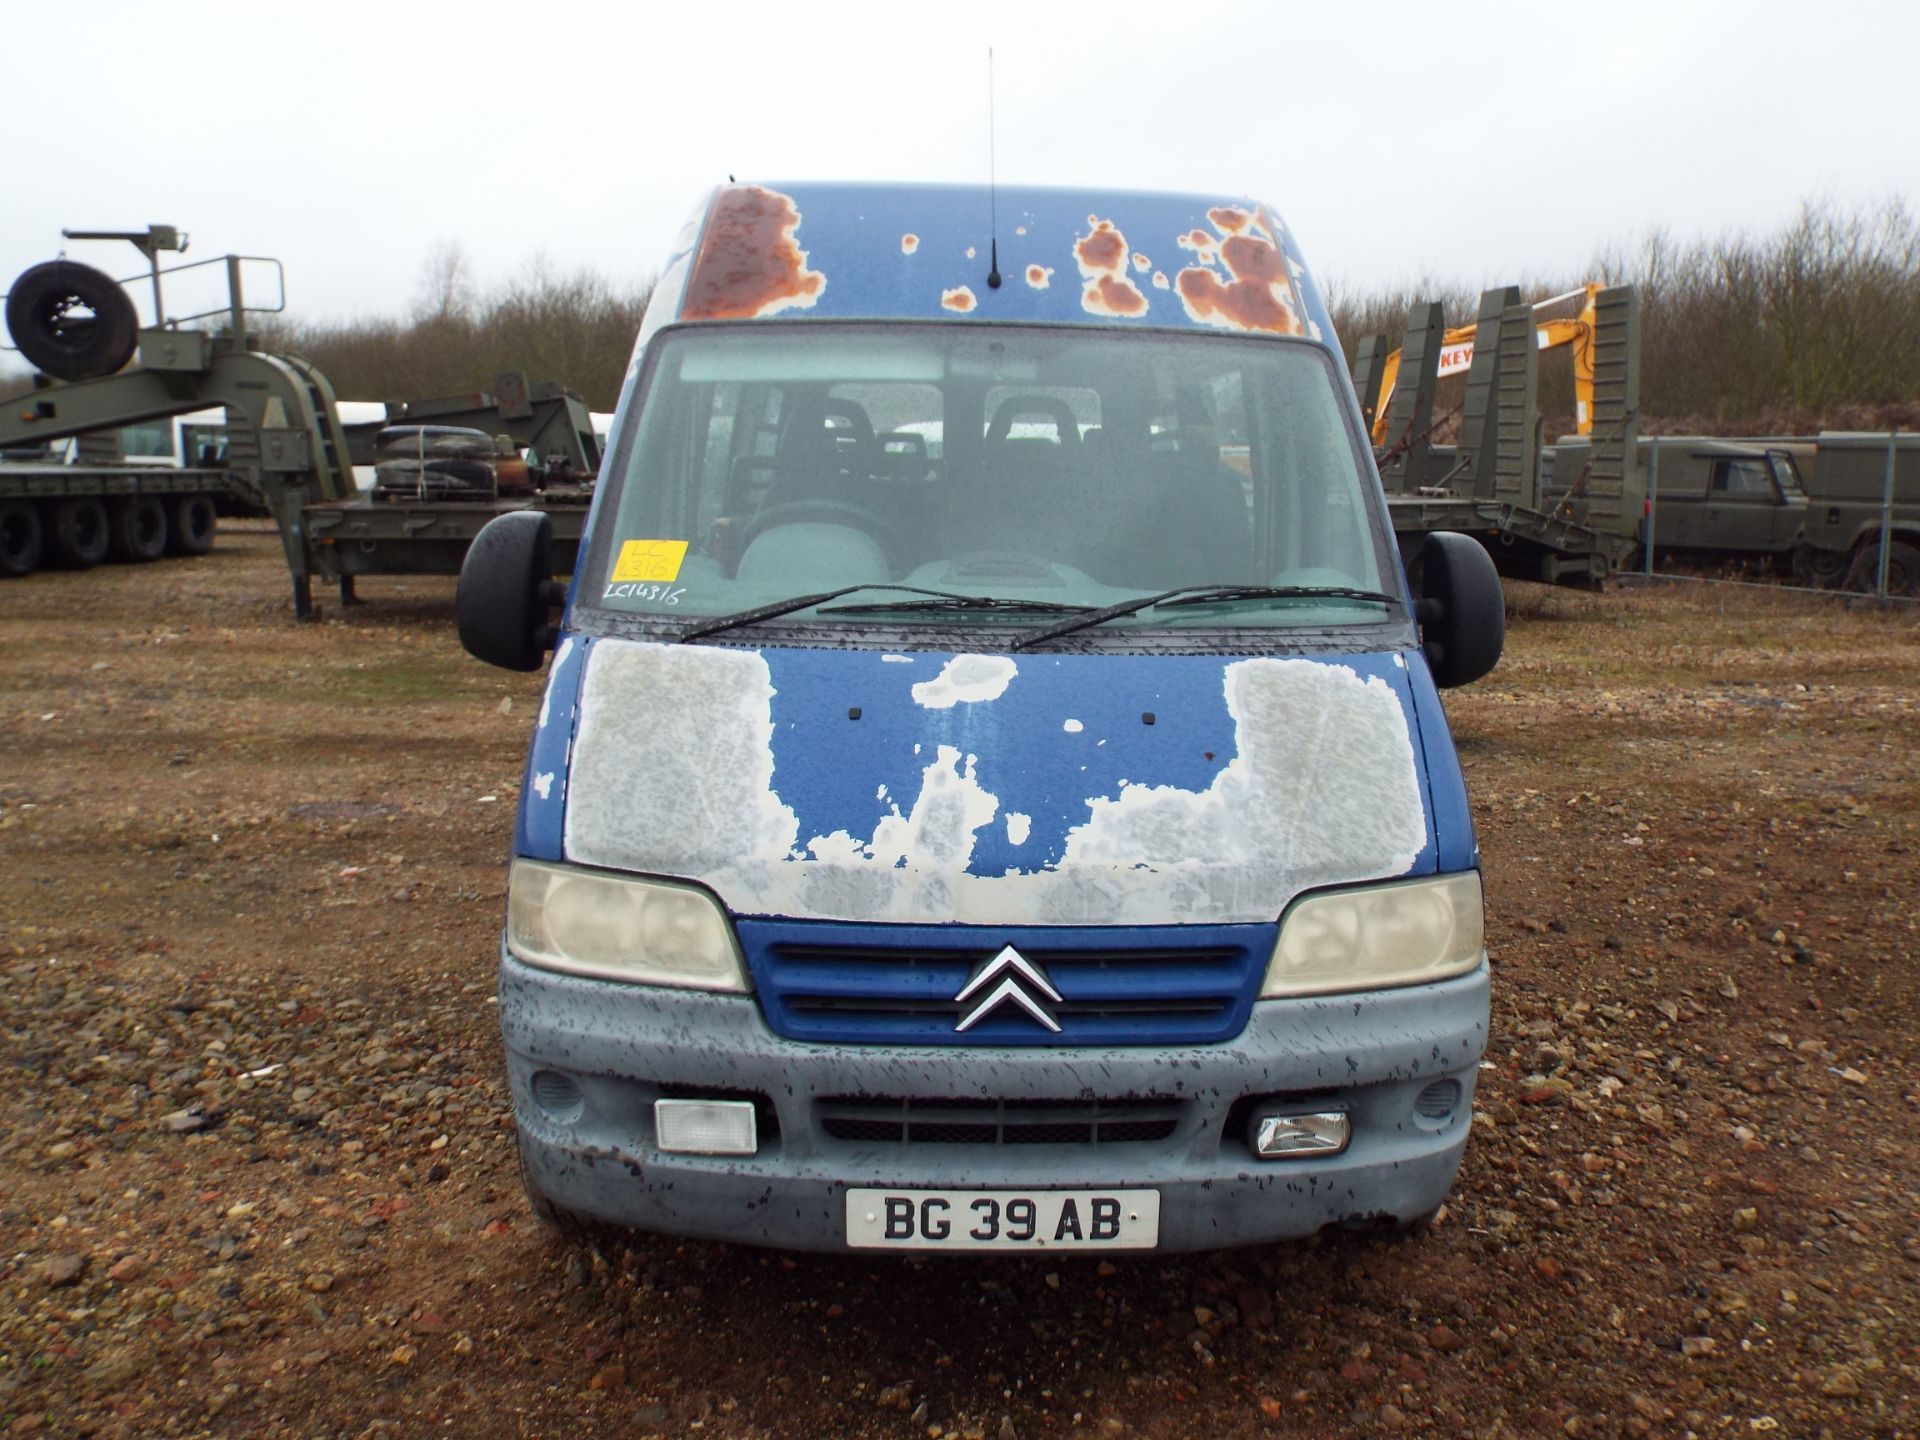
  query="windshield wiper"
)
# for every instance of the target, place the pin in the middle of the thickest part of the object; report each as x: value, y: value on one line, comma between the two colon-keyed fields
x: 943, y: 599
x: 1200, y: 595
x: 961, y: 602
x: 1281, y: 592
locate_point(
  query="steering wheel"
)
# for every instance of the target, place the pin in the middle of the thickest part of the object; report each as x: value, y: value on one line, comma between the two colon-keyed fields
x: 825, y: 512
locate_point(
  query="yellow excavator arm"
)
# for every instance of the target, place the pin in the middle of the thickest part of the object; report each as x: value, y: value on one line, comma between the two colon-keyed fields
x: 1456, y: 354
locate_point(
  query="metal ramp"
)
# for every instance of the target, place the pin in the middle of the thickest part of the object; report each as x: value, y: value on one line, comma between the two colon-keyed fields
x: 1610, y: 491
x: 1498, y: 435
x: 1403, y: 467
x: 1369, y: 364
x: 1489, y: 485
x: 1516, y: 464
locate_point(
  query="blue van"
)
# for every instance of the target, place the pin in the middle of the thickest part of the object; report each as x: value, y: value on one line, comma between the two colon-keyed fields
x: 992, y: 790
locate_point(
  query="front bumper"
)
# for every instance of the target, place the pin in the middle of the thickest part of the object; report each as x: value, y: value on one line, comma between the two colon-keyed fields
x: 623, y: 1046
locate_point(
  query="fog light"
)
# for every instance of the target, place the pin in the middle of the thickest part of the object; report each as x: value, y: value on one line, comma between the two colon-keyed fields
x: 1437, y: 1100
x: 705, y: 1127
x: 557, y: 1096
x: 1282, y: 1137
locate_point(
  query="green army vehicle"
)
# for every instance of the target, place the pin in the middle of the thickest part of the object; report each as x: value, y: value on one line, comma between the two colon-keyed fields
x: 1707, y: 501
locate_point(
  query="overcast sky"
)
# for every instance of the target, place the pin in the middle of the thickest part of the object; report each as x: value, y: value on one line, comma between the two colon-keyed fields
x: 1476, y: 141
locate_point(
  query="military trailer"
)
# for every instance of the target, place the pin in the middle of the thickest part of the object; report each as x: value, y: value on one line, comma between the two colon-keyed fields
x: 1579, y: 510
x: 286, y: 447
x: 1488, y: 485
x: 81, y: 516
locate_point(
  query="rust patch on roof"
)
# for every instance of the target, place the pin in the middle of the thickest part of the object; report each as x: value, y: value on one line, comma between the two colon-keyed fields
x: 1103, y: 251
x: 1259, y: 294
x: 960, y: 299
x: 1200, y: 242
x: 1039, y: 275
x: 970, y: 252
x: 1019, y: 229
x: 909, y: 244
x: 1141, y: 262
x: 1159, y: 279
x: 1108, y: 296
x: 1102, y: 254
x: 750, y: 263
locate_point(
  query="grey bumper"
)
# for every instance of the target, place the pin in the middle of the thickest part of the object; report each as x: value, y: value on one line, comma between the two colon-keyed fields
x: 621, y: 1046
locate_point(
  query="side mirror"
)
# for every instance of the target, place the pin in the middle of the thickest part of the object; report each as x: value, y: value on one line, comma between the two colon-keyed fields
x: 506, y: 589
x: 1462, y: 615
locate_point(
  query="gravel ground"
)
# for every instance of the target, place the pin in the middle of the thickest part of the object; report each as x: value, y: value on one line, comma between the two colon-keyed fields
x: 258, y: 1174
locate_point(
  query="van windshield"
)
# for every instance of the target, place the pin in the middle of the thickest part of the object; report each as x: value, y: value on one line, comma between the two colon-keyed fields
x: 1053, y: 470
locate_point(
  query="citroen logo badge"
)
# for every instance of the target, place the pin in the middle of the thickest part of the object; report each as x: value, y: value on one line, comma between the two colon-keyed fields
x: 1019, y: 982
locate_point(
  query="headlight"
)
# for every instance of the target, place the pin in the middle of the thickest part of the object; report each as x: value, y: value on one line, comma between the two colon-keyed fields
x: 1406, y: 933
x: 589, y: 923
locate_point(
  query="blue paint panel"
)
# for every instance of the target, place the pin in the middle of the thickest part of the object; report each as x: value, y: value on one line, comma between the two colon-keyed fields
x: 1149, y: 985
x: 1023, y: 754
x: 852, y: 234
x: 538, y: 825
x: 1449, y: 817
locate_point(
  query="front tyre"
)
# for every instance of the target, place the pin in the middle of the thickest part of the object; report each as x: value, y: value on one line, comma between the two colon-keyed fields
x: 1903, y: 569
x: 1821, y: 569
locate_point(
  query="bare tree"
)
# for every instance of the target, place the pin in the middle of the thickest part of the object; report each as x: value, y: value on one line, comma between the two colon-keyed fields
x: 446, y: 290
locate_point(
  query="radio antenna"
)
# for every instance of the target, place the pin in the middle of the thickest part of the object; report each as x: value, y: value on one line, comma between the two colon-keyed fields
x: 993, y: 189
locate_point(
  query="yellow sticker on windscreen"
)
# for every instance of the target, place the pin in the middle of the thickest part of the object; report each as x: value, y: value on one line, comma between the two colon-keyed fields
x: 650, y: 560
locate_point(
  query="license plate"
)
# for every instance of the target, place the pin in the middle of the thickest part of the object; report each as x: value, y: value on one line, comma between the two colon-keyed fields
x: 1003, y: 1219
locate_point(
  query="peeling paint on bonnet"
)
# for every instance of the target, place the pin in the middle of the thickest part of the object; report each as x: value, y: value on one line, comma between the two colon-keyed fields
x: 966, y: 677
x: 744, y: 771
x: 537, y: 832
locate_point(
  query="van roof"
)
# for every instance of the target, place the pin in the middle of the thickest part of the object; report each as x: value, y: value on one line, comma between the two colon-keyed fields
x: 798, y: 251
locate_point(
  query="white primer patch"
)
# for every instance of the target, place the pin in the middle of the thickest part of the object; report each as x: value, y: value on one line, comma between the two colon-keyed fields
x: 673, y: 765
x: 1072, y: 727
x: 896, y: 659
x: 553, y: 674
x: 674, y: 776
x: 1324, y: 789
x: 969, y: 679
x: 915, y: 863
x: 543, y: 785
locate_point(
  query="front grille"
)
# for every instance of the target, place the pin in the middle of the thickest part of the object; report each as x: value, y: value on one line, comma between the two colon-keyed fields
x: 893, y: 1120
x: 895, y: 984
